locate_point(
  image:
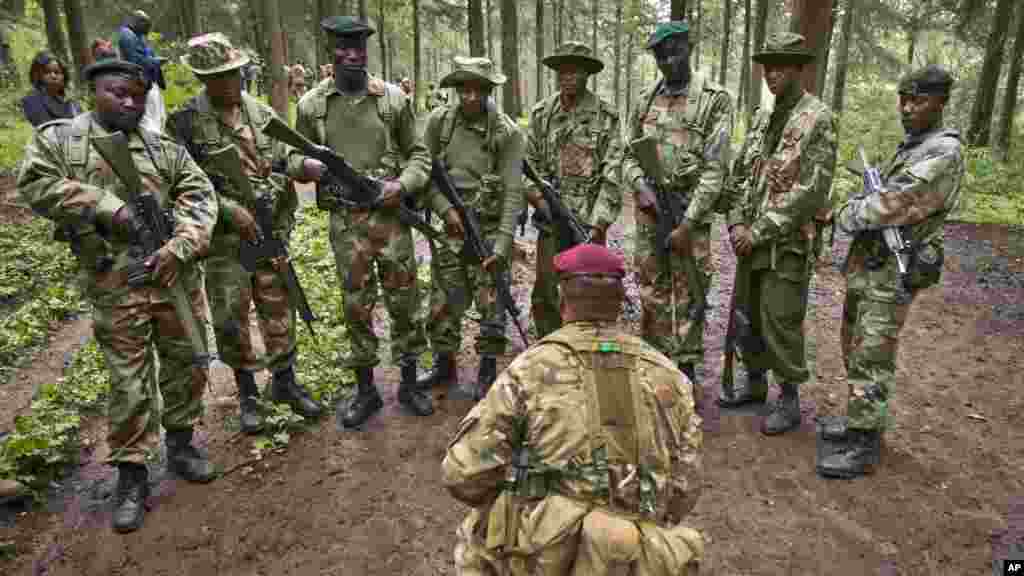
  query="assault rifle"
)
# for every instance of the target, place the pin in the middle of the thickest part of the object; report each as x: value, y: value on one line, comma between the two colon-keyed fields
x: 891, y: 234
x: 227, y: 162
x: 670, y: 208
x: 350, y: 187
x: 570, y: 231
x: 152, y: 235
x: 479, y: 248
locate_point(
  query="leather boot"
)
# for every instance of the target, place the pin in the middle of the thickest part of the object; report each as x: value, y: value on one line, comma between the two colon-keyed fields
x: 366, y: 402
x: 785, y: 414
x: 696, y: 388
x: 130, y: 498
x: 185, y: 460
x: 284, y: 388
x: 410, y: 395
x: 834, y: 429
x: 249, y: 408
x: 859, y: 458
x: 443, y: 371
x: 755, y: 391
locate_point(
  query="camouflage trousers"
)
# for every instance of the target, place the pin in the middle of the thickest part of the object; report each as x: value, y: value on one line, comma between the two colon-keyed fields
x: 138, y: 331
x: 874, y: 313
x: 232, y: 290
x: 455, y: 284
x: 683, y: 342
x: 372, y: 251
x: 544, y: 298
x: 777, y: 301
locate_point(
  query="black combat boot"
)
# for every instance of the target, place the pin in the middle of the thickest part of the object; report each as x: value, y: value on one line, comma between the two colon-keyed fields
x: 248, y: 402
x: 366, y: 402
x: 833, y: 429
x: 284, y: 388
x: 443, y: 371
x: 859, y: 458
x: 695, y: 387
x: 185, y: 460
x: 130, y: 499
x: 410, y: 395
x: 754, y: 392
x: 785, y: 414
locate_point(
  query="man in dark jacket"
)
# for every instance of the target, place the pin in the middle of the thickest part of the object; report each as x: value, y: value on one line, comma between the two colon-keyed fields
x: 131, y: 43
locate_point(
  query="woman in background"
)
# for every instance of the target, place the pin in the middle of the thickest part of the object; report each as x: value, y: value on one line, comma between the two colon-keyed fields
x: 48, y: 99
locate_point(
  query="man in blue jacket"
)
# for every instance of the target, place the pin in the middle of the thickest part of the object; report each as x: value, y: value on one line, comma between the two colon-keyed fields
x: 131, y: 43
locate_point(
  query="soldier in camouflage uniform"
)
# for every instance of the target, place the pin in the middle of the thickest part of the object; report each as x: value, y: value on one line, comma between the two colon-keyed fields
x: 371, y: 124
x: 483, y: 152
x: 222, y: 115
x: 64, y: 179
x: 574, y: 140
x: 585, y: 456
x: 782, y: 180
x: 920, y: 187
x: 690, y: 117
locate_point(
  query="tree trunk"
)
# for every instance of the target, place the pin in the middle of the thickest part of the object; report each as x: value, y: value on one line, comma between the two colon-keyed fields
x: 416, y: 65
x: 825, y: 52
x: 489, y: 33
x: 629, y: 72
x: 678, y: 10
x: 911, y: 45
x: 275, y: 71
x: 80, y: 54
x: 988, y: 82
x: 364, y: 10
x: 696, y: 33
x: 15, y: 9
x: 843, y: 59
x: 743, y: 94
x: 761, y: 26
x: 559, y: 22
x: 476, y: 28
x: 189, y: 14
x: 1005, y: 129
x: 813, y: 19
x: 323, y: 10
x: 510, y: 57
x: 538, y: 45
x: 617, y: 49
x: 54, y: 32
x: 726, y: 33
x: 593, y: 40
x: 383, y: 41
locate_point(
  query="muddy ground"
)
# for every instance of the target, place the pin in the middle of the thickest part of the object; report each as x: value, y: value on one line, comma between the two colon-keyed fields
x: 371, y: 502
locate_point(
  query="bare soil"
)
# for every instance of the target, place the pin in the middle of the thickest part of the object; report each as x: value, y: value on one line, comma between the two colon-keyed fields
x: 371, y: 501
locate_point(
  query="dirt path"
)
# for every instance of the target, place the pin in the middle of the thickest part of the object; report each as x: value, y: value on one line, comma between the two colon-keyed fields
x: 370, y: 502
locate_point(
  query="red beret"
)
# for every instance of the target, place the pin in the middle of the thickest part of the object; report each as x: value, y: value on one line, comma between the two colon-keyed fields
x: 589, y: 259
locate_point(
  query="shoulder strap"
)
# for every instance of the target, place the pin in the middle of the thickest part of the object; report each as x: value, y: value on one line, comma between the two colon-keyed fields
x: 447, y: 128
x: 647, y: 106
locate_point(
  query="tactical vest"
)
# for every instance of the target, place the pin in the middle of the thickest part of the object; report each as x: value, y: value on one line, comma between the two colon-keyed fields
x: 199, y: 128
x: 490, y: 193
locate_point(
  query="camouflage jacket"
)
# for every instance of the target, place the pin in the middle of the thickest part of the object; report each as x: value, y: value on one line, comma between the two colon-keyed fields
x: 376, y: 132
x: 778, y: 193
x: 198, y: 127
x: 920, y: 187
x: 484, y: 159
x: 605, y: 419
x: 66, y: 181
x: 693, y: 131
x: 582, y: 149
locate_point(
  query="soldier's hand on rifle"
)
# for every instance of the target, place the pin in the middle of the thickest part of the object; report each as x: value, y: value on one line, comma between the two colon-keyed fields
x: 453, y: 224
x: 489, y: 262
x: 279, y: 263
x: 164, y: 267
x: 646, y: 198
x: 391, y: 194
x: 599, y: 235
x: 679, y: 239
x: 246, y: 225
x: 313, y: 170
x: 742, y: 239
x: 124, y: 225
x: 536, y: 199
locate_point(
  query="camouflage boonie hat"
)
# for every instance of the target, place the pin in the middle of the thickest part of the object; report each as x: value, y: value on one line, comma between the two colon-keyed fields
x: 477, y: 68
x: 346, y: 26
x: 141, y: 15
x: 667, y: 30
x: 784, y: 48
x: 577, y: 53
x: 929, y: 80
x: 212, y: 54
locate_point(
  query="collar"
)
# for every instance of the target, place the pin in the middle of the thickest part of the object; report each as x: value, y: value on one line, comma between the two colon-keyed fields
x: 374, y: 87
x: 912, y: 140
x: 584, y: 101
x: 788, y: 100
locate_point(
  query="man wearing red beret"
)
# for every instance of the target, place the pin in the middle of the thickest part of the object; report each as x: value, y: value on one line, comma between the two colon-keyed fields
x: 598, y: 430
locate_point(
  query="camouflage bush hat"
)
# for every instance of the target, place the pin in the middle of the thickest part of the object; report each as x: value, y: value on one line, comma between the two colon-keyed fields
x: 577, y: 53
x: 667, y: 30
x: 589, y: 260
x: 929, y: 80
x: 784, y: 48
x: 212, y: 54
x: 477, y: 68
x: 346, y: 26
x: 109, y: 66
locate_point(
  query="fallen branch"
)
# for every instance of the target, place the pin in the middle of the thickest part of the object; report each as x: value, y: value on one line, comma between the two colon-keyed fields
x: 240, y: 465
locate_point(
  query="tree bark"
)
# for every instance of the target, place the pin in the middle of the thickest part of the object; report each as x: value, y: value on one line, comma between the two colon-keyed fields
x: 696, y: 26
x: 323, y: 10
x: 593, y: 40
x: 510, y: 57
x: 617, y: 49
x: 364, y: 10
x: 761, y: 26
x: 54, y: 32
x: 383, y: 41
x: 189, y: 11
x: 1005, y: 129
x: 843, y: 59
x: 416, y: 64
x: 538, y: 45
x: 279, y: 85
x: 985, y: 97
x: 726, y: 33
x: 813, y: 19
x: 743, y: 94
x: 489, y: 30
x: 559, y: 31
x: 476, y: 28
x: 629, y: 72
x: 678, y: 10
x: 80, y: 54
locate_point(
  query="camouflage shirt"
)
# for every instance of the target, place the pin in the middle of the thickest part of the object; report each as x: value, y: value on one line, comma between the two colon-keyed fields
x: 65, y: 180
x: 606, y: 419
x: 779, y: 191
x: 581, y: 148
x: 693, y: 131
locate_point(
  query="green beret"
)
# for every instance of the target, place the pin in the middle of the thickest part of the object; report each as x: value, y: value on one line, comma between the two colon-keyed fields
x: 667, y: 29
x: 110, y: 66
x: 929, y: 80
x: 346, y: 26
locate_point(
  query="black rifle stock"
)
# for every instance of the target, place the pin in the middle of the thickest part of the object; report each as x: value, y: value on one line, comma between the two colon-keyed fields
x: 479, y: 247
x: 116, y: 153
x: 893, y: 237
x: 570, y: 231
x: 227, y: 162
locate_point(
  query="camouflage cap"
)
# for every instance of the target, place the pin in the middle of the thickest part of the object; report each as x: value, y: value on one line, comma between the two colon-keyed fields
x: 472, y: 69
x: 784, y: 48
x: 667, y: 30
x: 577, y: 53
x: 589, y: 260
x: 141, y: 15
x: 931, y: 79
x: 346, y: 26
x: 115, y: 66
x: 212, y: 54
